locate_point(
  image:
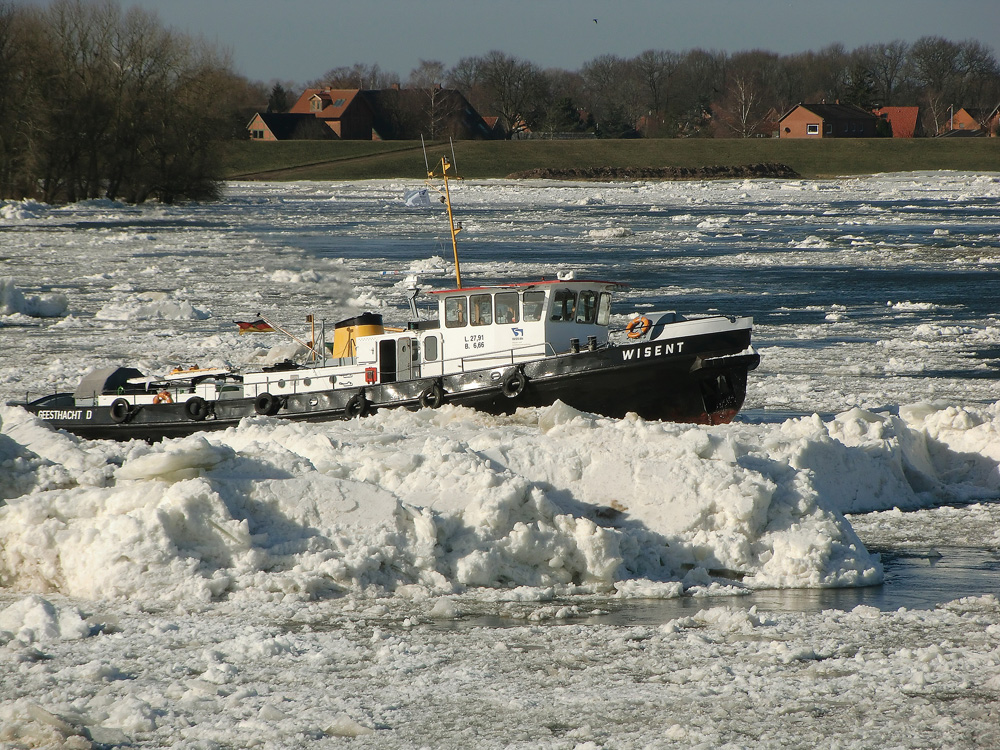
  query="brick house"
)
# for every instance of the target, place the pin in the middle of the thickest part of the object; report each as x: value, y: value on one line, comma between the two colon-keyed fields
x: 388, y: 114
x: 972, y: 121
x: 282, y: 126
x: 905, y: 121
x: 343, y: 111
x: 827, y: 121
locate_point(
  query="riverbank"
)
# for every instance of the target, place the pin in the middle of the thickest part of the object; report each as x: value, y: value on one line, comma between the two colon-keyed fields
x: 352, y: 160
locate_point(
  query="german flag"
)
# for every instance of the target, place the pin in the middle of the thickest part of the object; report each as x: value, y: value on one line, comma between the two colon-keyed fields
x: 257, y: 326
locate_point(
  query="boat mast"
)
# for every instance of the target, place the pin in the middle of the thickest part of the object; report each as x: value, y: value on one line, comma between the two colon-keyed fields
x: 446, y: 198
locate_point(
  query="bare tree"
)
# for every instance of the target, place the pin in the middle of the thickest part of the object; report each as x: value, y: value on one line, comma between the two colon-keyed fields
x: 514, y: 89
x: 614, y: 94
x: 357, y: 76
x: 746, y: 100
x: 952, y: 74
x: 700, y: 81
x: 887, y: 64
x: 426, y: 78
x: 16, y: 101
x: 110, y: 103
x: 656, y: 69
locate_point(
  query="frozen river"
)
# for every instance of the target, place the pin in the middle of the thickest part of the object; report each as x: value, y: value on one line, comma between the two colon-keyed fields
x: 826, y: 567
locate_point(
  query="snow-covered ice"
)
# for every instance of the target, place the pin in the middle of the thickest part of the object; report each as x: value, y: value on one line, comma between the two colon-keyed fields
x: 452, y: 579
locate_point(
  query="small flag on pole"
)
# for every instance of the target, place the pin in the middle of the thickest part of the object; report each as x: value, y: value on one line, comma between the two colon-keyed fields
x: 256, y: 326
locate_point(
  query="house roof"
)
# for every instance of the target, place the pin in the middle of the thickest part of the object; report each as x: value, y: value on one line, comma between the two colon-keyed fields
x: 288, y: 125
x: 902, y: 119
x: 833, y: 111
x: 334, y: 102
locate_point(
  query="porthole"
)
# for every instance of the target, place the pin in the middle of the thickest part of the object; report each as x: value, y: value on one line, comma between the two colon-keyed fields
x: 307, y: 381
x: 281, y: 383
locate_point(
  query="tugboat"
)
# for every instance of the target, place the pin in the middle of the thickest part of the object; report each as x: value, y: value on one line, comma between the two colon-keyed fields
x: 491, y: 348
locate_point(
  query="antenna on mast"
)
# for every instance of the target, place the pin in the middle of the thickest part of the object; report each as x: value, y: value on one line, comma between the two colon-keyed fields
x: 454, y: 161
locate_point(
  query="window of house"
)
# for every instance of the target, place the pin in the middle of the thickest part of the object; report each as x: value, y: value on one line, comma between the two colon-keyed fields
x: 828, y: 128
x: 812, y: 129
x: 257, y: 134
x: 482, y: 309
x: 506, y: 307
x: 339, y: 103
x: 533, y: 304
x: 456, y: 312
x: 316, y: 104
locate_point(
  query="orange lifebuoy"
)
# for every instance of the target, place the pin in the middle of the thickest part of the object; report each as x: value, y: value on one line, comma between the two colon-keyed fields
x: 637, y: 327
x: 163, y: 398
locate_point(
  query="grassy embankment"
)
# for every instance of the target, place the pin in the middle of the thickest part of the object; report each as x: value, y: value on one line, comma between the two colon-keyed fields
x: 352, y: 160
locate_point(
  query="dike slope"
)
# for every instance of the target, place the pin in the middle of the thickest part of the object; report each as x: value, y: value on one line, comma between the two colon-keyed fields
x: 743, y: 171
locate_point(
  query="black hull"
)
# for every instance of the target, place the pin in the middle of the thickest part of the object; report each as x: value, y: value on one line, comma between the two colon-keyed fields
x: 706, y: 384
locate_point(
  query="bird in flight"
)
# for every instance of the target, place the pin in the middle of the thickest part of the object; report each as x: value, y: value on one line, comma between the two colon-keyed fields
x: 595, y: 20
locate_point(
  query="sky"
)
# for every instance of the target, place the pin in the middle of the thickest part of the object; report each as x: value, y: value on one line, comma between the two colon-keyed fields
x: 299, y: 40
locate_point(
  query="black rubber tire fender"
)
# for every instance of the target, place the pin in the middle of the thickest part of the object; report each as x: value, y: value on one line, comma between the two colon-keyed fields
x: 432, y: 396
x: 266, y: 405
x: 120, y: 410
x: 196, y: 408
x: 358, y: 406
x: 513, y: 383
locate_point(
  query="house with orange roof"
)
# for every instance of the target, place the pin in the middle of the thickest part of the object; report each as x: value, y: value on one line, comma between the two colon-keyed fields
x: 905, y: 121
x: 972, y: 121
x: 344, y: 111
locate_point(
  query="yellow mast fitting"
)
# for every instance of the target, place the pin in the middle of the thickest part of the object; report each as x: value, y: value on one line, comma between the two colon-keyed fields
x: 445, y: 166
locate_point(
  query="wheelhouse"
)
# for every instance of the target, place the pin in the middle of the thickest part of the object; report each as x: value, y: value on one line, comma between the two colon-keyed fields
x: 486, y: 326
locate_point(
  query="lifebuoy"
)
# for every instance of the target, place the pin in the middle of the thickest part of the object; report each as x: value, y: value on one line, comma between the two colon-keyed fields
x: 121, y: 410
x: 432, y: 396
x: 513, y: 383
x: 637, y: 327
x: 357, y: 406
x: 266, y: 405
x: 196, y: 408
x: 163, y: 397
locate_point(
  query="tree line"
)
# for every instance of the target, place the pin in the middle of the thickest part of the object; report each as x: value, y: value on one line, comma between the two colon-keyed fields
x: 96, y: 101
x: 99, y: 102
x: 699, y: 92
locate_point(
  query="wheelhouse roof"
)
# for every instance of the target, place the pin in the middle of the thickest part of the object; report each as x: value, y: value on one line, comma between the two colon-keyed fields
x: 529, y: 284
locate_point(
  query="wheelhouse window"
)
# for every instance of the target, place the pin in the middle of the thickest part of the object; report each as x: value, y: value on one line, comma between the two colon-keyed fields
x: 506, y: 307
x: 604, y: 309
x: 482, y: 309
x: 586, y: 308
x: 564, y: 305
x: 534, y: 303
x: 456, y: 312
